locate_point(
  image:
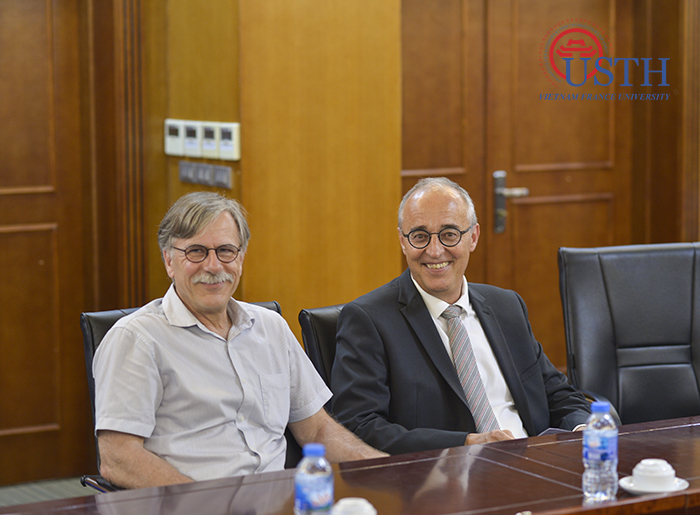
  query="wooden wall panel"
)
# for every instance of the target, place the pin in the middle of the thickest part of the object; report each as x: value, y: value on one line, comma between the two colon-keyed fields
x: 31, y: 387
x: 202, y: 60
x: 432, y: 107
x: 443, y: 86
x: 657, y: 202
x: 191, y: 53
x: 157, y: 188
x: 45, y: 426
x: 689, y: 144
x: 102, y: 211
x: 321, y: 122
x: 114, y: 90
x: 27, y: 128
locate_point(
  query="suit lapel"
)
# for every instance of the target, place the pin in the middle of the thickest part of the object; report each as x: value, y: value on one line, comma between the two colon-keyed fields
x: 422, y: 323
x: 495, y: 337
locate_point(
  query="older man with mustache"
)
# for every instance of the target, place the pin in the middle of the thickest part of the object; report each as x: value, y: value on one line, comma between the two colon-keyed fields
x: 197, y: 385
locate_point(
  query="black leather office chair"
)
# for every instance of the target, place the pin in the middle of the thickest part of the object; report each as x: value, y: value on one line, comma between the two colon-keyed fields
x: 94, y: 326
x: 318, y: 329
x: 632, y: 323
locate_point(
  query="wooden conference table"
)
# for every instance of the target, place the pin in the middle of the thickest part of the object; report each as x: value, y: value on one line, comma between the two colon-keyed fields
x: 537, y: 475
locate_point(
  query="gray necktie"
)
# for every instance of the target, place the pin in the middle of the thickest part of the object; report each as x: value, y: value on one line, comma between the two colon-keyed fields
x: 468, y: 372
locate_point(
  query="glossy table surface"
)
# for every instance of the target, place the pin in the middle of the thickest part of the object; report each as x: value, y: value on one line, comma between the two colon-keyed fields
x: 537, y: 475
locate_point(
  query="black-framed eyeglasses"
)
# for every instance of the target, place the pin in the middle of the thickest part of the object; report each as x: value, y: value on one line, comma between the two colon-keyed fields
x: 449, y: 236
x: 198, y: 253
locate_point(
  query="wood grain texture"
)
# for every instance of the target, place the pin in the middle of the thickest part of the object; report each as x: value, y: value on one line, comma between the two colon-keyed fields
x: 690, y: 132
x: 574, y: 156
x: 542, y: 474
x: 321, y: 121
x: 44, y: 413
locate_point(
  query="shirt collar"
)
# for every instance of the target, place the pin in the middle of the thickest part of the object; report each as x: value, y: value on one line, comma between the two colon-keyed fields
x: 178, y: 315
x: 437, y: 306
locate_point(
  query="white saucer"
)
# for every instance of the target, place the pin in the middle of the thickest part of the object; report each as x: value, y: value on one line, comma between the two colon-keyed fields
x: 627, y: 484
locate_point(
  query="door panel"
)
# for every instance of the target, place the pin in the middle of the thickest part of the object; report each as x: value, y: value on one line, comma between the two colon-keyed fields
x: 35, y: 392
x: 26, y: 61
x: 572, y: 155
x: 586, y: 220
x: 45, y: 425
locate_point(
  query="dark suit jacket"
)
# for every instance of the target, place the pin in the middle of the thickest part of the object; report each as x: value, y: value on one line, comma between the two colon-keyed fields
x: 395, y: 385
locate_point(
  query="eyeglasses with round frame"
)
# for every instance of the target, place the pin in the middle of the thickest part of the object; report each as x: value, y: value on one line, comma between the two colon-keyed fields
x: 198, y: 253
x: 449, y: 236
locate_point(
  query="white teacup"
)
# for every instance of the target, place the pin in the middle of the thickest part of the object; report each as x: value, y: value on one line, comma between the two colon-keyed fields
x: 653, y: 475
x: 353, y: 506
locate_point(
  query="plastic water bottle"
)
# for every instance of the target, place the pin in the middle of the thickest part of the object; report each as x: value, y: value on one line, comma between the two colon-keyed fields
x: 313, y: 482
x: 600, y: 455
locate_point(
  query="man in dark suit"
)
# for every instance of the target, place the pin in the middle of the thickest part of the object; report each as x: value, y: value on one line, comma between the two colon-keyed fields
x: 396, y: 381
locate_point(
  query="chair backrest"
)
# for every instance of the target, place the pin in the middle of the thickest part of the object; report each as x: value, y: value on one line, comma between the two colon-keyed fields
x: 95, y: 326
x: 632, y: 323
x: 318, y: 329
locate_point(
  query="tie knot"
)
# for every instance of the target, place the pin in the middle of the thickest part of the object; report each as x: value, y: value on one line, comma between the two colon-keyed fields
x: 451, y: 312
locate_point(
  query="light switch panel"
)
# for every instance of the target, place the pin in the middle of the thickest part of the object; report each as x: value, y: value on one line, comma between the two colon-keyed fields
x: 229, y: 141
x: 193, y: 138
x: 174, y: 137
x: 210, y: 140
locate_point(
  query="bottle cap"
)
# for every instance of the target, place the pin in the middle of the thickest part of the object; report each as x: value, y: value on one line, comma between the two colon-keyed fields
x: 600, y: 407
x: 314, y: 449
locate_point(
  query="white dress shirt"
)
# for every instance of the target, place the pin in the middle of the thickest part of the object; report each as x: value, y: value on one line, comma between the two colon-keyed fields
x: 496, y: 388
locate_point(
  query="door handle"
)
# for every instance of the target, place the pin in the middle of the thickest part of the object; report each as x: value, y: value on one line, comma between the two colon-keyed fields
x: 500, y: 194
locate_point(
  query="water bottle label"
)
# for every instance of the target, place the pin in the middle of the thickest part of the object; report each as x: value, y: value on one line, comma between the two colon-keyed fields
x: 313, y: 495
x: 599, y: 447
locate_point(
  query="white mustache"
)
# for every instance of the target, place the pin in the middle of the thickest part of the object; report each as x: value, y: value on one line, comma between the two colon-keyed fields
x: 210, y: 278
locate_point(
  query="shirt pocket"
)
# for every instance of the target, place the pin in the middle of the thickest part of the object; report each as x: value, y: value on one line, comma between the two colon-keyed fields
x: 274, y: 390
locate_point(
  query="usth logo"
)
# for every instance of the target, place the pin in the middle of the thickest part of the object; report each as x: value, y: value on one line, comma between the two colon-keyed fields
x: 575, y: 51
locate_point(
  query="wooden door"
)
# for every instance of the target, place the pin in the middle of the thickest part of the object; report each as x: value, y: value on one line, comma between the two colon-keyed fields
x: 45, y: 424
x: 572, y: 151
x: 472, y: 82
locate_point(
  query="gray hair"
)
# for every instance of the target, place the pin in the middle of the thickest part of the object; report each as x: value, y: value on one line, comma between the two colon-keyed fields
x: 439, y: 182
x: 194, y: 211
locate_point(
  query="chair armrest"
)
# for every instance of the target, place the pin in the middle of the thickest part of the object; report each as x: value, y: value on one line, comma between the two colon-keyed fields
x: 99, y: 483
x: 596, y: 397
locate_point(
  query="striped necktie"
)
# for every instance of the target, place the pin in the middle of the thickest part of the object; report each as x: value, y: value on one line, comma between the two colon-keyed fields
x: 468, y: 372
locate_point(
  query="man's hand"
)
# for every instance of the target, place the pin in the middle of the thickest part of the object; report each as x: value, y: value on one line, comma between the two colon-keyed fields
x: 491, y: 436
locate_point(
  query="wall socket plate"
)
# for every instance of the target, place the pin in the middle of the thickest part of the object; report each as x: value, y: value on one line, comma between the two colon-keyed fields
x: 194, y: 172
x: 187, y: 172
x: 223, y: 177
